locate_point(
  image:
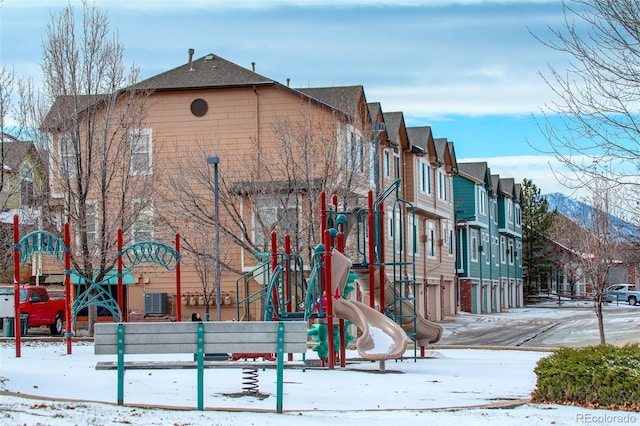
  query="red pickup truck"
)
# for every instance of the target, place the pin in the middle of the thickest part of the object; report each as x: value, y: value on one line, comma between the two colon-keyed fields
x: 37, y: 304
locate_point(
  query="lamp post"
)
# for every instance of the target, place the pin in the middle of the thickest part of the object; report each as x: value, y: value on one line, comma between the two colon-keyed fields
x: 215, y: 161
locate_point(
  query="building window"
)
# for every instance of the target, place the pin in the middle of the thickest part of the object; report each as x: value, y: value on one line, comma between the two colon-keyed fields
x: 518, y: 215
x: 396, y: 160
x: 91, y: 223
x: 140, y: 152
x: 142, y: 229
x: 496, y: 248
x: 431, y: 238
x: 68, y: 163
x: 442, y: 186
x: 386, y: 163
x: 372, y: 167
x: 482, y: 201
x: 494, y: 210
x: 474, y: 244
x: 273, y: 214
x: 509, y: 210
x: 355, y: 152
x: 503, y: 250
x: 485, y: 248
x: 412, y: 231
x: 425, y: 177
x: 26, y: 185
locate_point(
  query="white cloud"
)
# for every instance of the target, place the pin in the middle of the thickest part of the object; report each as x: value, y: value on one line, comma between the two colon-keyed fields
x: 543, y: 170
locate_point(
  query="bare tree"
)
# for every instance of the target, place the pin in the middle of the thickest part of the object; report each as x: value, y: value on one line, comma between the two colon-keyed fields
x: 100, y: 153
x: 593, y: 125
x: 594, y: 246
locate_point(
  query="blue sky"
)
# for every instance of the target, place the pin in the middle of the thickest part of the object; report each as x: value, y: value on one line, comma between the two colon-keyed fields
x: 469, y: 68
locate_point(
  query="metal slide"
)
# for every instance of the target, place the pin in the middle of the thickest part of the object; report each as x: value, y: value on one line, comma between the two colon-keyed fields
x: 381, y: 338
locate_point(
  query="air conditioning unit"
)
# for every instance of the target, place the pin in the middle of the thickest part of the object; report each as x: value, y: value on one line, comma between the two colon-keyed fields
x: 155, y: 303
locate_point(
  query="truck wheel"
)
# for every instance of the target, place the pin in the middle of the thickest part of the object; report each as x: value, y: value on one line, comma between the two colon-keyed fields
x: 56, y: 327
x: 632, y: 300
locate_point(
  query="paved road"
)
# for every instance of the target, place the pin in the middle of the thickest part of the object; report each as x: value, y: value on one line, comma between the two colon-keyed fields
x: 572, y: 324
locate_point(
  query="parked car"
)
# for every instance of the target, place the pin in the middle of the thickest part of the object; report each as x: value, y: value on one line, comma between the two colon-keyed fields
x: 622, y: 293
x: 35, y: 302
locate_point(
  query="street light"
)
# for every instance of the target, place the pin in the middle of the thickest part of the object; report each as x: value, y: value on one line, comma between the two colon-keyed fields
x: 215, y: 161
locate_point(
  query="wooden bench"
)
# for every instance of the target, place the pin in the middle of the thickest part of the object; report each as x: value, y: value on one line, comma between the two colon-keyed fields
x: 200, y: 338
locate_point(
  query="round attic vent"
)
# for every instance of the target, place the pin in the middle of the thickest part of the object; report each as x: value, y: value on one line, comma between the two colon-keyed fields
x: 199, y: 107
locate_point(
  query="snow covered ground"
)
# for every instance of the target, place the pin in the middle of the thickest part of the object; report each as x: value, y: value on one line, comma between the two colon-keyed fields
x: 447, y: 387
x: 432, y: 390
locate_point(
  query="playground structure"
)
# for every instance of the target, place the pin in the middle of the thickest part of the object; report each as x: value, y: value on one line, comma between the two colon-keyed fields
x: 289, y: 291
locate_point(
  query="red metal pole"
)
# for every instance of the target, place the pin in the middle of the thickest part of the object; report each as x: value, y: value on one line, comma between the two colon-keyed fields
x: 16, y: 282
x: 287, y: 277
x: 119, y: 263
x: 372, y: 250
x: 323, y: 213
x: 329, y: 292
x: 382, y: 258
x: 274, y: 265
x: 67, y: 284
x: 178, y: 282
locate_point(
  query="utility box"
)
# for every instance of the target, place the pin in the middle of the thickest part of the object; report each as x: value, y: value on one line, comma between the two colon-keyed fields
x: 155, y: 303
x: 7, y: 305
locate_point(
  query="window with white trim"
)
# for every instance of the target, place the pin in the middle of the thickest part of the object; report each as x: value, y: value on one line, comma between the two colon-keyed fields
x: 26, y: 185
x: 141, y: 149
x: 496, y: 248
x: 442, y: 186
x: 503, y: 250
x: 482, y: 200
x: 142, y: 229
x: 396, y: 161
x: 67, y: 155
x: 412, y: 232
x: 431, y: 239
x: 386, y: 163
x: 509, y: 209
x: 518, y: 215
x: 424, y: 176
x: 355, y: 152
x: 372, y: 168
x: 485, y: 248
x: 473, y: 240
x: 91, y: 222
x: 273, y: 214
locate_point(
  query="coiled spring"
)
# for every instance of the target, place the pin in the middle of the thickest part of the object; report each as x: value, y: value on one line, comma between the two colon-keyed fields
x: 250, y: 380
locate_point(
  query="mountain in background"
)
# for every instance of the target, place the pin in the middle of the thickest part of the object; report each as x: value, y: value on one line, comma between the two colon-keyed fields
x: 580, y: 212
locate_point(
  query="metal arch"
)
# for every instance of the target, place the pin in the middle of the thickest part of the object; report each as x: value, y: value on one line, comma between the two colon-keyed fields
x: 96, y: 295
x: 41, y: 242
x: 150, y: 252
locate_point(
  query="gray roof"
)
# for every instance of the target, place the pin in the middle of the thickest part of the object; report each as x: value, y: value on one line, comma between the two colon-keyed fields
x: 476, y: 170
x: 207, y: 71
x: 441, y: 147
x: 507, y: 186
x: 393, y: 120
x: 374, y: 109
x: 345, y: 99
x: 14, y: 153
x: 419, y: 136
